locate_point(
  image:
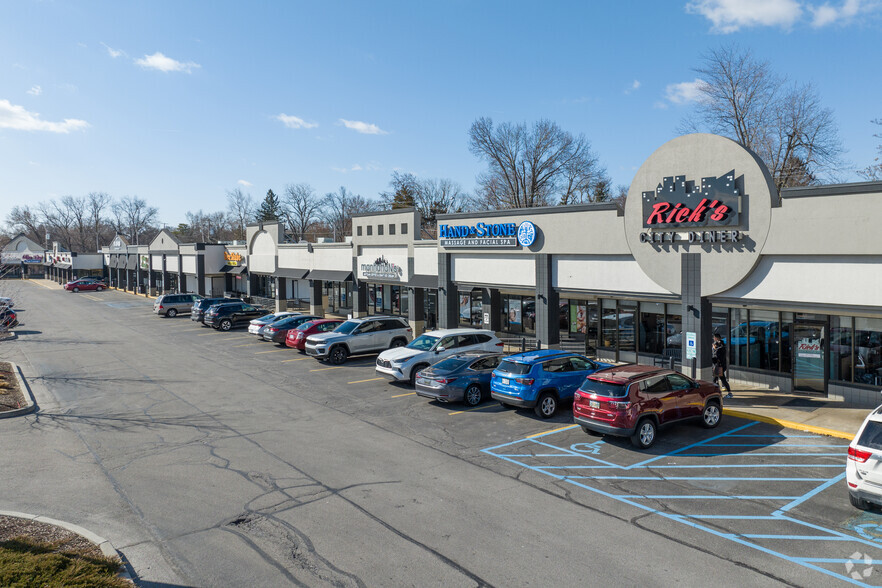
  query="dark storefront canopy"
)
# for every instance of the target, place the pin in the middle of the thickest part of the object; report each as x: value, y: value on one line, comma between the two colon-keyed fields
x: 330, y: 275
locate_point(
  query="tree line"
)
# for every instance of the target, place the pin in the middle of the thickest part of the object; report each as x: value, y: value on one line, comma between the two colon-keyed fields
x: 527, y: 165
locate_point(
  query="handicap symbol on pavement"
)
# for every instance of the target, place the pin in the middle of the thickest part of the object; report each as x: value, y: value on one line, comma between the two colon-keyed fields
x: 592, y: 448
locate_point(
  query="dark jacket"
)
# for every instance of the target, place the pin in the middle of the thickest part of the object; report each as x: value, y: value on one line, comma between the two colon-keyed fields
x: 718, y: 355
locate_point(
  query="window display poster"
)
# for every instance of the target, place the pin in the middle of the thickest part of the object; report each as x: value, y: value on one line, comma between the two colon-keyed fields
x: 578, y: 318
x: 465, y: 310
x: 514, y: 312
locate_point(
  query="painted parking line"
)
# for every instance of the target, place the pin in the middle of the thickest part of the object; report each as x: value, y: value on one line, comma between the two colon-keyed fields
x: 368, y: 380
x: 237, y: 337
x: 271, y: 351
x: 205, y: 334
x: 401, y: 395
x: 568, y: 427
x: 247, y: 344
x: 336, y: 367
x: 472, y: 409
x: 295, y: 359
x: 39, y: 284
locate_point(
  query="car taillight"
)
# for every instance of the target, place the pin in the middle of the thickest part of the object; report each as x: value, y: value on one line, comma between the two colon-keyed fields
x: 620, y: 405
x: 858, y: 455
x: 410, y: 330
x: 525, y: 381
x: 500, y: 344
x: 271, y: 329
x: 443, y: 380
x: 160, y: 307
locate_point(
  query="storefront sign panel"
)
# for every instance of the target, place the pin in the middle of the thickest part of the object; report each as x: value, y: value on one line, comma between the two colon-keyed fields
x: 232, y: 258
x: 487, y: 235
x: 382, y: 269
x: 678, y: 202
x: 145, y: 262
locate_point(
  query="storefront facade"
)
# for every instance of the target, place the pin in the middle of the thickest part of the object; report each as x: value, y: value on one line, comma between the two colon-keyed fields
x: 22, y: 258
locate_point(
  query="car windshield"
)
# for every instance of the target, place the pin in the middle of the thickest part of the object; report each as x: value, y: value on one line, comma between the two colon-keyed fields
x: 604, y: 388
x: 423, y: 343
x: 347, y: 327
x: 450, y: 364
x: 513, y: 367
x: 872, y: 436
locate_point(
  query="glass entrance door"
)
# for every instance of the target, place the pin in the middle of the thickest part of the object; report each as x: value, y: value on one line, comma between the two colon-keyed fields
x: 808, y: 357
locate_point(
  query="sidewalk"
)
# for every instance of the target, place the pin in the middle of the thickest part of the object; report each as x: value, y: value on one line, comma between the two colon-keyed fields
x: 45, y: 283
x: 799, y: 411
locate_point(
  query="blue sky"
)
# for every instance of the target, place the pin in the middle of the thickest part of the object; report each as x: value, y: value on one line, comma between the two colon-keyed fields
x: 178, y: 102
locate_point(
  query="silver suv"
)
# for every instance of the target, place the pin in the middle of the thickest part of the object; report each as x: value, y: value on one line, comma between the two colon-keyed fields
x: 368, y: 334
x: 172, y: 305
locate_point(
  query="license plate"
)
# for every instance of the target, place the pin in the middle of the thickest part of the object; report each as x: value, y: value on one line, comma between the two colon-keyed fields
x: 593, y: 404
x: 505, y: 380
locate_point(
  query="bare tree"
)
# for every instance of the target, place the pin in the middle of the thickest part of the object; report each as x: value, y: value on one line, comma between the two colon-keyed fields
x: 301, y: 208
x: 430, y: 196
x: 22, y: 219
x: 532, y: 166
x: 134, y: 218
x: 338, y: 208
x: 99, y: 202
x: 784, y: 123
x: 241, y: 208
x: 873, y: 172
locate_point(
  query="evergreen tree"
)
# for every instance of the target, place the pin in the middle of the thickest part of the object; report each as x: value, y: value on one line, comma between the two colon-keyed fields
x: 270, y: 209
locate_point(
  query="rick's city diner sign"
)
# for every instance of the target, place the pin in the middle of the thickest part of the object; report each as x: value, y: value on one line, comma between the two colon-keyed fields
x: 709, y: 212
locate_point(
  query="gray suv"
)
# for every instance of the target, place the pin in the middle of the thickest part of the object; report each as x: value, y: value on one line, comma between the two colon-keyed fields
x: 174, y: 304
x: 368, y: 334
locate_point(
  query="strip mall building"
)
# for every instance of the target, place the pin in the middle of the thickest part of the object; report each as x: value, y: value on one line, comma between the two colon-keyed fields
x: 705, y: 243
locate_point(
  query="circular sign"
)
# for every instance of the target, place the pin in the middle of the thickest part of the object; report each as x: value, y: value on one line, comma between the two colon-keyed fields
x: 526, y: 233
x: 701, y: 194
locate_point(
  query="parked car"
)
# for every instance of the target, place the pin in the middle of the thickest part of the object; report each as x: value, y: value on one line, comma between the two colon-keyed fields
x: 635, y: 400
x: 197, y: 312
x: 403, y: 363
x: 85, y: 284
x: 5, y: 302
x: 8, y: 318
x: 171, y: 305
x: 231, y: 314
x: 541, y: 379
x: 297, y: 337
x: 463, y: 377
x: 277, y: 331
x: 361, y: 335
x: 255, y: 324
x: 863, y: 468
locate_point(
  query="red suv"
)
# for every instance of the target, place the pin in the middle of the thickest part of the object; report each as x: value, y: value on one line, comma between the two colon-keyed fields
x: 296, y: 338
x: 635, y: 400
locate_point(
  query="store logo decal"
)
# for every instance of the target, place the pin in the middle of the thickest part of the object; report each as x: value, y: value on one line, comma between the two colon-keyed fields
x: 382, y: 268
x: 678, y: 202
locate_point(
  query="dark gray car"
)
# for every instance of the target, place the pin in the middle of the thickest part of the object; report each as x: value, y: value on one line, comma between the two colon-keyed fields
x: 464, y: 377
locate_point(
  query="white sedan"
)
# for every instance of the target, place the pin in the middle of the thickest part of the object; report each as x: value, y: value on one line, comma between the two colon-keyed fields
x: 255, y: 325
x: 863, y: 468
x: 401, y: 364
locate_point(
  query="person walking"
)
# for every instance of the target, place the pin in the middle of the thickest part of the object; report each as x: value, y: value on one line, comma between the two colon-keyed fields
x: 718, y: 358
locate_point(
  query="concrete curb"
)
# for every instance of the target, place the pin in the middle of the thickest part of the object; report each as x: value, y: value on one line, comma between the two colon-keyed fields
x: 787, y: 424
x: 26, y: 392
x: 105, y: 545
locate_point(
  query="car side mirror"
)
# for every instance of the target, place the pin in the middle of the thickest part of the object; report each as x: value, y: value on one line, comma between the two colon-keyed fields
x: 439, y: 349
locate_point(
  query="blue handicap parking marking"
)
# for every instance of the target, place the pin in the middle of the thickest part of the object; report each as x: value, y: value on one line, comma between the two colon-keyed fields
x: 744, y: 485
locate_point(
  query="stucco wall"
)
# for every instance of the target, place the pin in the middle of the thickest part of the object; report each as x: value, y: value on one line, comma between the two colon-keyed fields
x: 613, y: 273
x: 425, y: 259
x: 495, y: 270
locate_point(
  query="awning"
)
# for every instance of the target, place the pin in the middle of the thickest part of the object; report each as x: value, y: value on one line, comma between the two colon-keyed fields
x: 133, y: 262
x: 233, y: 269
x: 330, y: 275
x: 114, y: 261
x: 292, y: 273
x: 419, y: 281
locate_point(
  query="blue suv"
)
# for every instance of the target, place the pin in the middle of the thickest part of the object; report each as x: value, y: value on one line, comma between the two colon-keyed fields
x: 541, y: 379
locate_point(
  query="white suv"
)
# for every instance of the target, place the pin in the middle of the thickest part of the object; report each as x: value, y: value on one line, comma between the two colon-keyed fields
x: 863, y: 468
x: 403, y: 363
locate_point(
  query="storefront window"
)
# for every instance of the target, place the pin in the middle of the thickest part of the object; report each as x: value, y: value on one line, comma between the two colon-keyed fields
x: 739, y: 338
x: 627, y: 327
x: 477, y: 309
x: 430, y: 309
x: 515, y: 308
x: 786, y: 348
x: 608, y: 324
x: 764, y: 339
x: 652, y: 328
x: 528, y: 315
x: 841, y: 350
x: 674, y: 341
x: 465, y: 308
x: 868, y: 351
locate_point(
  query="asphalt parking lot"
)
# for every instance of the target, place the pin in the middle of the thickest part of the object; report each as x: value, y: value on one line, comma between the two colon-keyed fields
x: 212, y: 458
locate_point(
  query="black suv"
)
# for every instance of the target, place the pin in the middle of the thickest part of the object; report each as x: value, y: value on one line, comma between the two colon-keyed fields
x: 233, y: 314
x: 203, y: 304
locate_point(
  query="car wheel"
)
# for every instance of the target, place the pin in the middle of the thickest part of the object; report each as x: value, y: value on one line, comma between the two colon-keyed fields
x: 171, y: 313
x: 473, y: 395
x: 338, y: 355
x: 711, y: 416
x: 398, y: 343
x: 546, y: 406
x: 226, y: 325
x: 76, y: 289
x: 415, y: 370
x: 591, y: 432
x: 98, y: 289
x: 644, y: 436
x: 858, y: 503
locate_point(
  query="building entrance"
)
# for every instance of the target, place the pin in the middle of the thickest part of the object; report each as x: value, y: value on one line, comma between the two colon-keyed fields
x: 809, y: 341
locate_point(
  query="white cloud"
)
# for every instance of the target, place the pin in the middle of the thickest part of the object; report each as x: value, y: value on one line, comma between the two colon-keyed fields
x: 165, y: 64
x: 245, y: 183
x: 16, y: 117
x: 729, y: 16
x: 35, y: 91
x: 684, y: 92
x: 295, y: 122
x: 362, y: 127
x: 113, y: 52
x: 825, y: 14
x: 635, y: 85
x: 372, y: 166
